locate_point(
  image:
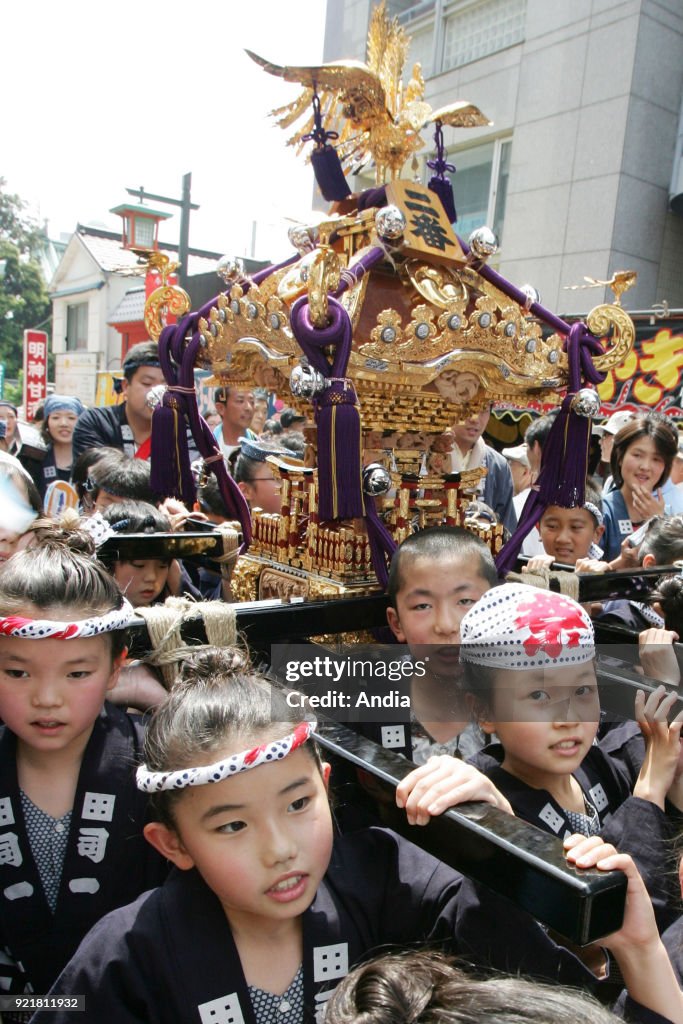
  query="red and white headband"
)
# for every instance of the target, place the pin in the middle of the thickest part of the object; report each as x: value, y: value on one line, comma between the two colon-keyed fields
x: 49, y: 629
x: 265, y: 753
x: 518, y: 627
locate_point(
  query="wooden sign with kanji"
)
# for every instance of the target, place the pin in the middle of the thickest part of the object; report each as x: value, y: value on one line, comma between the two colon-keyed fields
x: 428, y: 232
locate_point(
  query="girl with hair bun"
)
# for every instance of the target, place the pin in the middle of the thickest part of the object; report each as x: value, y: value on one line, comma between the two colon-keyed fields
x: 269, y: 909
x: 428, y: 988
x: 71, y: 818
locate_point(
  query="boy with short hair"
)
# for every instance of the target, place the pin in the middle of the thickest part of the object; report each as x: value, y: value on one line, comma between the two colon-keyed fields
x: 436, y: 575
x: 570, y: 535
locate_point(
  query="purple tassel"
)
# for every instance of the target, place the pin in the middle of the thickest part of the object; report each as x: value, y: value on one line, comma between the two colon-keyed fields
x: 325, y: 159
x: 439, y: 184
x: 164, y: 472
x: 562, y: 480
x: 340, y: 490
x: 337, y: 418
x: 442, y: 187
x: 170, y: 474
x: 329, y: 174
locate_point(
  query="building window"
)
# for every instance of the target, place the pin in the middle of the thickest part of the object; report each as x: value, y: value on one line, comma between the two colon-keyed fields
x: 408, y: 10
x: 77, y: 327
x: 476, y: 30
x: 480, y: 186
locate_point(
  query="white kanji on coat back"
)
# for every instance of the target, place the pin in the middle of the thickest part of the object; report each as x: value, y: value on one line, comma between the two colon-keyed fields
x: 92, y: 843
x: 9, y: 850
x: 6, y: 812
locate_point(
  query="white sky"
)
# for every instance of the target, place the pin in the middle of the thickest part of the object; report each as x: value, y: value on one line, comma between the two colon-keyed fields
x: 100, y: 97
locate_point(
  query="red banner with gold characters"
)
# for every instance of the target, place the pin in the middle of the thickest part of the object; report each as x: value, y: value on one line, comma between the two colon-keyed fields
x: 651, y: 377
x: 35, y: 371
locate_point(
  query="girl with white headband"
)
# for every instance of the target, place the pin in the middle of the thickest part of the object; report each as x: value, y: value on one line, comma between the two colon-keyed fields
x: 71, y: 818
x: 269, y: 909
x: 529, y: 666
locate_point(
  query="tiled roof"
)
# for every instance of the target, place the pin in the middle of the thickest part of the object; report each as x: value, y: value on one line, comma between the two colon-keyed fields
x: 131, y: 308
x: 105, y: 248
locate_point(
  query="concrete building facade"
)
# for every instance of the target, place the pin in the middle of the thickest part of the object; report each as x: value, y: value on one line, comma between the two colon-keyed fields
x: 576, y: 170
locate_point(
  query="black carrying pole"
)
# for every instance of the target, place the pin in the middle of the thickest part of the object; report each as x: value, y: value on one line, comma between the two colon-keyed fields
x: 622, y: 584
x: 508, y: 855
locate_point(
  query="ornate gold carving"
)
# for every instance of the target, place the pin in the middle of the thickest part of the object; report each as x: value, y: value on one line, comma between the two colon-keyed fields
x: 388, y: 332
x: 166, y: 300
x: 323, y: 277
x: 619, y: 282
x: 599, y: 321
x: 280, y: 583
x: 440, y: 285
x: 169, y: 300
x: 294, y: 282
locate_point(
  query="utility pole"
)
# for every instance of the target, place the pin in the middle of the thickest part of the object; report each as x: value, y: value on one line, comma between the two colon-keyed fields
x: 185, y: 207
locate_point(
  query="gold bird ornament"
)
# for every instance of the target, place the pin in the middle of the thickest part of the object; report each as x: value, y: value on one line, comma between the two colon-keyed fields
x: 365, y: 106
x: 619, y: 282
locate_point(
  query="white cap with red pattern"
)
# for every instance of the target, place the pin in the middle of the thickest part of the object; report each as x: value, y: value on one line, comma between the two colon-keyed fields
x: 518, y: 627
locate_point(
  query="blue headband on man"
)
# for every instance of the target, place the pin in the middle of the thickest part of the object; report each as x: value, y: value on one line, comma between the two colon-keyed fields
x: 55, y: 403
x: 253, y: 450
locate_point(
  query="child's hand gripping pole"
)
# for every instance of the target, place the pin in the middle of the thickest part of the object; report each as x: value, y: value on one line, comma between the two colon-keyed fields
x: 444, y: 782
x: 642, y: 958
x: 661, y: 774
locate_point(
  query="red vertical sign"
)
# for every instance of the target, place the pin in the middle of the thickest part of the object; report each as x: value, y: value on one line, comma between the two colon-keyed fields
x: 35, y: 371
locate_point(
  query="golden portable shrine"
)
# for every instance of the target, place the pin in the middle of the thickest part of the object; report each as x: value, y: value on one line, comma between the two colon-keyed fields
x: 392, y: 327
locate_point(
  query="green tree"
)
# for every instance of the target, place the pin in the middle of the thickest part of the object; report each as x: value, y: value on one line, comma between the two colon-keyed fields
x: 24, y: 302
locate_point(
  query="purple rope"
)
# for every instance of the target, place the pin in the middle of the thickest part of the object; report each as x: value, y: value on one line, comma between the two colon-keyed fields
x: 359, y: 269
x: 562, y: 479
x: 177, y: 357
x: 381, y: 542
x: 439, y: 163
x: 511, y: 290
x: 235, y: 503
x: 372, y: 197
x: 314, y: 339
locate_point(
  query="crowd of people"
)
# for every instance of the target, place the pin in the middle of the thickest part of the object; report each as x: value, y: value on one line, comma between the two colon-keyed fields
x: 169, y: 853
